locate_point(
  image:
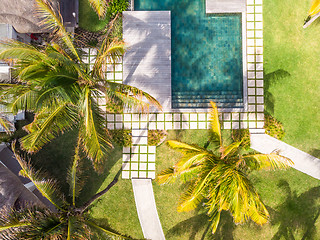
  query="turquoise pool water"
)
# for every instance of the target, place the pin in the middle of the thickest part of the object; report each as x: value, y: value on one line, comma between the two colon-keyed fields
x: 206, y: 54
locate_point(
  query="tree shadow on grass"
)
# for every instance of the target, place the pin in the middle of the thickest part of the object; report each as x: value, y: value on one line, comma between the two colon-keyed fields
x: 201, y: 226
x: 56, y: 157
x: 296, y: 213
x: 315, y: 152
x: 269, y: 80
x: 103, y: 222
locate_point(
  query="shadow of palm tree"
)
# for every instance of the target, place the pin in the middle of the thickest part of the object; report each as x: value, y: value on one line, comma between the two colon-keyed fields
x: 200, y: 225
x: 269, y: 80
x: 296, y: 213
x: 315, y: 152
x: 55, y: 158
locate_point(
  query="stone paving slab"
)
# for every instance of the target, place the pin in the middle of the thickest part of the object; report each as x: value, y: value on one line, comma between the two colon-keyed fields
x: 147, y: 210
x: 225, y: 6
x: 303, y: 162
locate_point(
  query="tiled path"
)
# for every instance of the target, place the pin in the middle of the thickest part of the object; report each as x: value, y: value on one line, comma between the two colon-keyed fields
x: 303, y: 162
x: 139, y: 160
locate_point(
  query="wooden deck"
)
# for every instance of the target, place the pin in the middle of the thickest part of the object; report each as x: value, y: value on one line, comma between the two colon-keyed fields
x: 225, y: 6
x: 147, y: 62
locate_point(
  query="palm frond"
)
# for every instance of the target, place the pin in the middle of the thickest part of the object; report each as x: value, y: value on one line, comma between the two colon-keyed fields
x: 184, y: 147
x: 47, y: 125
x: 215, y: 219
x: 258, y: 212
x: 105, y: 232
x: 99, y: 6
x: 131, y: 97
x: 7, y: 125
x: 24, y: 99
x: 230, y: 149
x: 108, y: 53
x: 52, y: 20
x: 267, y: 161
x: 215, y: 124
x: 190, y: 160
x: 14, y: 49
x: 92, y: 131
x: 48, y: 188
x: 73, y: 177
x: 190, y: 199
x: 12, y: 221
x: 166, y: 176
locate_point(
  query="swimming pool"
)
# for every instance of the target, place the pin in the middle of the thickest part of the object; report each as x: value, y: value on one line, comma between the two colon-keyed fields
x: 207, y: 61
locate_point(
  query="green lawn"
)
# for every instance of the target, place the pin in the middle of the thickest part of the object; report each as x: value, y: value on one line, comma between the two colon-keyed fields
x: 291, y: 66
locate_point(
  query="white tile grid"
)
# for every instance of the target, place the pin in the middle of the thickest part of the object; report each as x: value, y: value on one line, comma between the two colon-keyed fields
x: 139, y: 159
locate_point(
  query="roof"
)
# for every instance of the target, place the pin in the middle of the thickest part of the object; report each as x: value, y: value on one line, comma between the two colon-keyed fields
x: 12, y: 191
x: 21, y: 14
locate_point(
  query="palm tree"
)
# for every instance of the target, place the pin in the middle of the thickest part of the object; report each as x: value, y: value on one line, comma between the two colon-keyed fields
x: 313, y: 14
x: 218, y: 177
x: 66, y: 221
x: 54, y: 82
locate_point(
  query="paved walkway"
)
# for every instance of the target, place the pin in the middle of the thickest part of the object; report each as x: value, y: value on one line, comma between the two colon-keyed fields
x: 139, y: 159
x: 147, y: 210
x: 303, y: 162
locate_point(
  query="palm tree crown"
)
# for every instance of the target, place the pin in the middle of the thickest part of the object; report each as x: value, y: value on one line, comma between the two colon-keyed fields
x: 66, y: 221
x: 218, y: 176
x: 54, y: 82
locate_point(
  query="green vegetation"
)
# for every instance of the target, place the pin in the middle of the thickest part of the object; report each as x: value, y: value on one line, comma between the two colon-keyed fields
x: 55, y: 83
x: 117, y: 6
x: 216, y: 176
x: 291, y: 197
x: 291, y: 68
x: 273, y: 127
x: 117, y: 208
x: 89, y: 14
x: 70, y: 220
x: 156, y: 137
x: 88, y: 19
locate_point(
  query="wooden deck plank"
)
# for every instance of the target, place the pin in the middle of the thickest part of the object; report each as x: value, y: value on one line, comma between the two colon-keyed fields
x: 225, y: 6
x: 147, y: 62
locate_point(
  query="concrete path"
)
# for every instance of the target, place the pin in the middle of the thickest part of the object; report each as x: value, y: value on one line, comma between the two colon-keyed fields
x: 303, y: 162
x: 147, y: 210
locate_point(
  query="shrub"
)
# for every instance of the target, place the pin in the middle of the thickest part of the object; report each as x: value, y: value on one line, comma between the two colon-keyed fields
x: 242, y: 135
x: 273, y: 127
x: 156, y: 137
x: 123, y: 137
x: 116, y: 6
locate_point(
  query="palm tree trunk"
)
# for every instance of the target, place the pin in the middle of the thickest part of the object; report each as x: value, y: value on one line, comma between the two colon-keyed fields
x: 99, y: 194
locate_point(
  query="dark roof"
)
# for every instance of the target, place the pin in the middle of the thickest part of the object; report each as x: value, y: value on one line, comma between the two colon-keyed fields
x: 21, y: 14
x: 12, y: 191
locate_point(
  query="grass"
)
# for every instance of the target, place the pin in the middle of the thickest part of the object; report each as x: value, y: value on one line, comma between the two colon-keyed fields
x: 292, y: 198
x: 291, y: 68
x: 88, y: 19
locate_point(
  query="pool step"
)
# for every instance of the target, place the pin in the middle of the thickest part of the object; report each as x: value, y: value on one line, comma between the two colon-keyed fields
x: 206, y: 105
x: 196, y: 100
